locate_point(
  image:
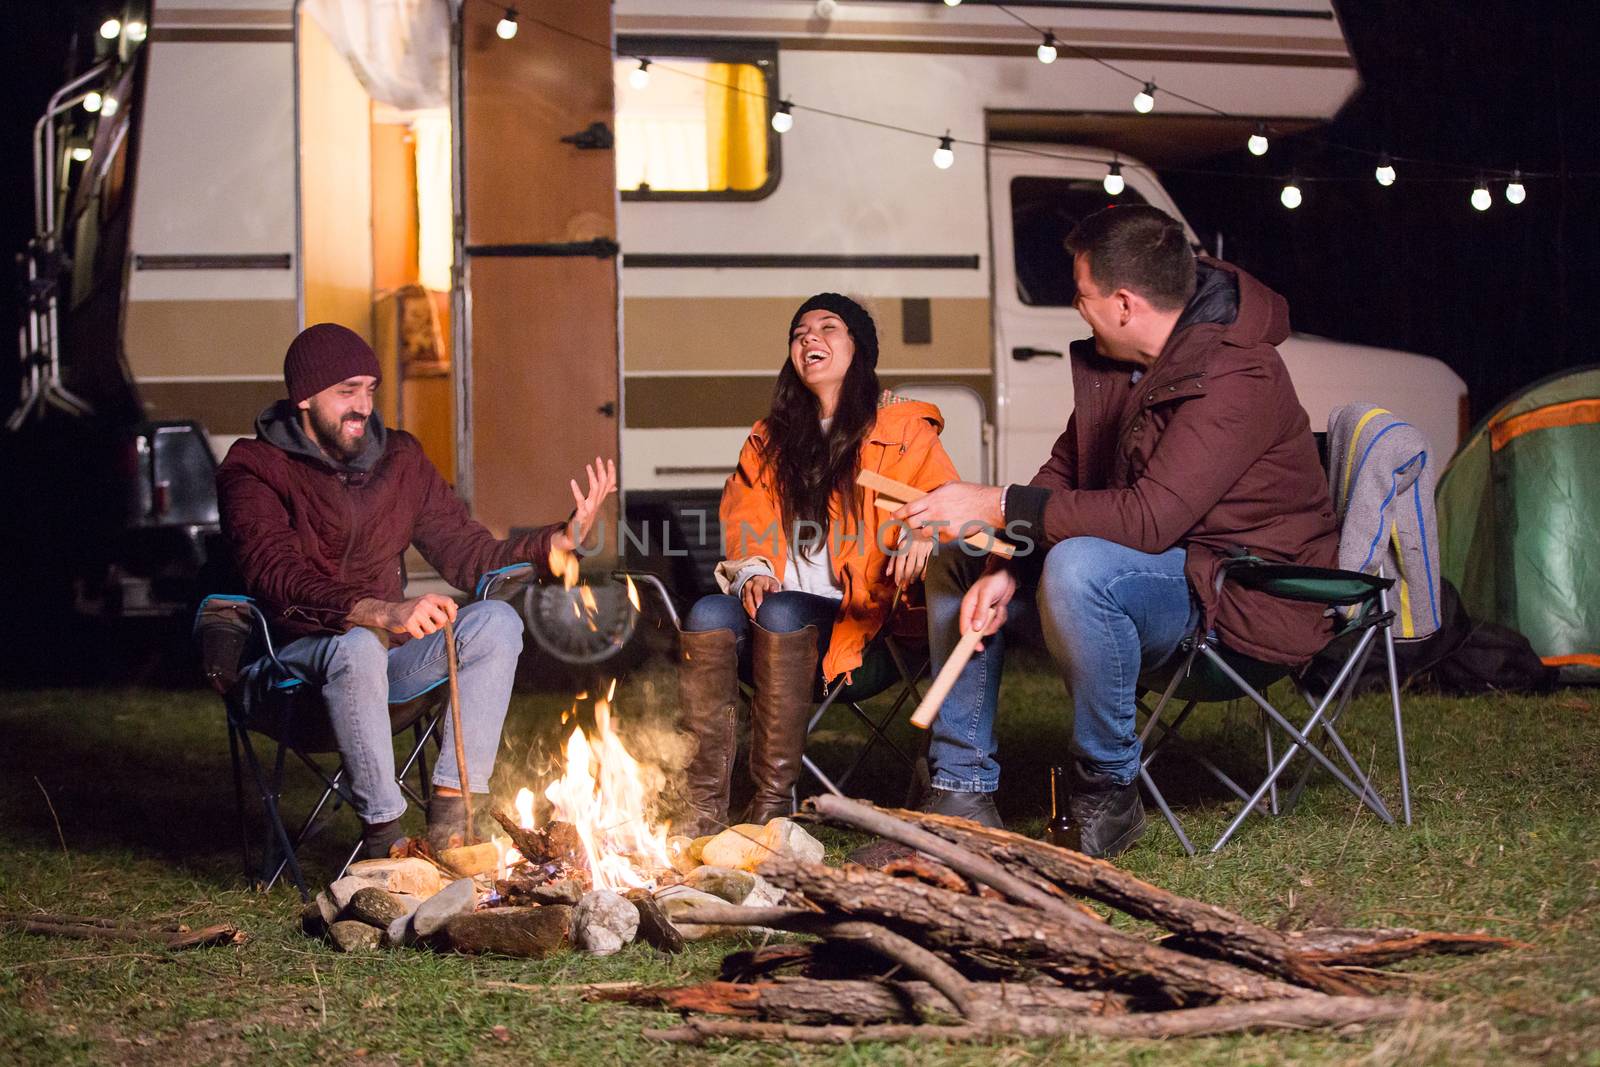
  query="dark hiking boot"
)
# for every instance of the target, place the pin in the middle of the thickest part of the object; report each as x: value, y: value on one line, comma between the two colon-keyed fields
x: 378, y: 838
x: 976, y: 807
x: 708, y: 709
x: 1104, y: 818
x: 785, y: 671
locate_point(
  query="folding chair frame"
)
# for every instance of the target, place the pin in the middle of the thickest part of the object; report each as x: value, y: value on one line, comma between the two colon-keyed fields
x: 1374, y: 615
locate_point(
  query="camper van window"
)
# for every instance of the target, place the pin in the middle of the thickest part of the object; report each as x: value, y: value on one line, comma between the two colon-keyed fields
x: 1043, y: 212
x: 699, y: 128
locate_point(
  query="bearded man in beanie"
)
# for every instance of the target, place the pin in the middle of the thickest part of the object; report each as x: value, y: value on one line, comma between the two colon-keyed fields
x: 1187, y: 443
x: 319, y: 508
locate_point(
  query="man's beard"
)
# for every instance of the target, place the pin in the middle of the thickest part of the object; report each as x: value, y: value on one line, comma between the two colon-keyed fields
x: 327, y: 434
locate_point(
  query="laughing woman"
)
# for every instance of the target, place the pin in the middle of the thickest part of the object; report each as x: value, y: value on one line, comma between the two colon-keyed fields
x: 810, y: 569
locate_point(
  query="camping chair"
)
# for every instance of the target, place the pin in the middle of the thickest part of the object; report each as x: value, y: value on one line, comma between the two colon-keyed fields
x: 232, y: 632
x: 1204, y: 670
x: 892, y: 658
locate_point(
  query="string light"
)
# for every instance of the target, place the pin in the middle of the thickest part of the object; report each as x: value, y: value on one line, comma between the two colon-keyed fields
x: 639, y: 77
x: 1291, y: 193
x: 952, y: 3
x: 506, y: 28
x: 92, y: 102
x: 826, y: 8
x: 108, y: 106
x: 782, y: 119
x: 1385, y: 170
x: 1258, y: 140
x: 945, y: 155
x: 1047, y: 49
x: 111, y: 29
x: 81, y: 154
x: 137, y: 32
x: 1145, y: 101
x: 1113, y: 181
x: 1480, y: 196
x: 1515, y: 193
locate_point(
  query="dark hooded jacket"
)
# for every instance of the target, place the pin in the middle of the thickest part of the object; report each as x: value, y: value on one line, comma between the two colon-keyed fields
x: 1209, y: 449
x: 312, y: 537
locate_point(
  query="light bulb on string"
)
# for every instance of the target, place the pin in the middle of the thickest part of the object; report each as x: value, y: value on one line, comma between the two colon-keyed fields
x: 506, y: 28
x: 1385, y: 170
x: 108, y: 106
x: 1047, y: 49
x: 1113, y: 180
x: 952, y: 3
x: 1291, y: 193
x: 137, y: 32
x: 639, y: 77
x: 1480, y: 196
x: 1145, y: 101
x: 1258, y: 140
x: 111, y: 29
x: 1515, y: 193
x: 92, y: 102
x: 81, y: 154
x: 944, y: 156
x: 783, y: 118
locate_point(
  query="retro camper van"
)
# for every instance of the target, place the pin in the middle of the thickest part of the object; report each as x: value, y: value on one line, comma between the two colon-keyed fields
x: 578, y: 231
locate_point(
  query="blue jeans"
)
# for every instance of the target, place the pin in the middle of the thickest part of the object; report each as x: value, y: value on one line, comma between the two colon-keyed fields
x: 782, y: 612
x: 1107, y: 612
x: 359, y: 679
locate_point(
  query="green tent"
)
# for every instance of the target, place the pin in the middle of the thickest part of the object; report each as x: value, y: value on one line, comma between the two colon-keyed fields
x: 1518, y: 509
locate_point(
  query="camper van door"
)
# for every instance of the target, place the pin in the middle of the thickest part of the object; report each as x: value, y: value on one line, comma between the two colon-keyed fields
x: 1036, y: 197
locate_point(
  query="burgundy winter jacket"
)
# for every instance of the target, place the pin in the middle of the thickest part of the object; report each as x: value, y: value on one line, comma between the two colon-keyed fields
x: 1209, y: 449
x: 312, y: 537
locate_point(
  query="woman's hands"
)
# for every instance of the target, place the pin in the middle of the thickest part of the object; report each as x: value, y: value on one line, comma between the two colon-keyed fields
x: 909, y: 561
x: 755, y: 590
x: 602, y: 477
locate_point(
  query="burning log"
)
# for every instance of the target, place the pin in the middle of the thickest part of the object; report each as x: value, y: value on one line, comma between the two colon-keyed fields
x: 556, y: 842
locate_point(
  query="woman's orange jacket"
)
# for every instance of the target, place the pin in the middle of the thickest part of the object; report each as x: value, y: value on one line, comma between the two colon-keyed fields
x: 904, y: 445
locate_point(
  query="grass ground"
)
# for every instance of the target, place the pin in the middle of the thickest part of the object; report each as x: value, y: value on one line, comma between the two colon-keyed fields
x: 119, y: 803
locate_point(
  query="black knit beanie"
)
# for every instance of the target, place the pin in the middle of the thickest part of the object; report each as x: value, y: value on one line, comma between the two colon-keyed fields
x: 856, y: 319
x: 323, y: 355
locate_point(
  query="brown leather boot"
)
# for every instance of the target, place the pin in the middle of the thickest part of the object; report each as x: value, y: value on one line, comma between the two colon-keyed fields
x: 708, y: 708
x: 785, y: 670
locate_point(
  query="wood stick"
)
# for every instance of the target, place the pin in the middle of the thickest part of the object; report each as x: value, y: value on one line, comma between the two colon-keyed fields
x: 1202, y: 928
x: 882, y: 941
x: 1301, y: 1013
x: 861, y: 1001
x: 1370, y: 948
x: 928, y: 709
x: 455, y: 727
x: 211, y: 935
x: 844, y: 812
x: 895, y: 495
x: 1075, y: 951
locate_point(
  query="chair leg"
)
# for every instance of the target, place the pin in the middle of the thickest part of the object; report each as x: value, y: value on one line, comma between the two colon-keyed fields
x: 1266, y: 736
x: 1399, y: 725
x: 234, y: 732
x: 806, y: 762
x: 1296, y: 736
x: 269, y: 801
x: 1166, y: 810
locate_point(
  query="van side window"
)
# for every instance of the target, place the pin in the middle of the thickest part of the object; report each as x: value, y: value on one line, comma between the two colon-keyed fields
x: 700, y: 127
x: 1043, y: 212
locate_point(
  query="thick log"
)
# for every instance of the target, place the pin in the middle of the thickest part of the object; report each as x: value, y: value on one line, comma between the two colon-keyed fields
x: 1203, y: 928
x: 1373, y: 948
x: 1301, y: 1013
x: 1078, y: 952
x: 859, y: 1002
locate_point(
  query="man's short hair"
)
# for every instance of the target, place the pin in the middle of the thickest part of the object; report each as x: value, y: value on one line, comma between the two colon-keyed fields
x: 1137, y: 247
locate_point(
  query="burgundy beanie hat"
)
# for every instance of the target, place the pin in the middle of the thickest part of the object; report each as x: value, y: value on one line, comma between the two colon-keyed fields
x: 323, y: 355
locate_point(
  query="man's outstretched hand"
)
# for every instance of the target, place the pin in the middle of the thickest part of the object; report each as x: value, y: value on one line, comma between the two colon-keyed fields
x: 419, y: 616
x: 945, y: 510
x: 602, y: 478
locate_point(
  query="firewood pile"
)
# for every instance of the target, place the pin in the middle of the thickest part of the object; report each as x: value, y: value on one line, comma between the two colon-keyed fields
x: 986, y: 935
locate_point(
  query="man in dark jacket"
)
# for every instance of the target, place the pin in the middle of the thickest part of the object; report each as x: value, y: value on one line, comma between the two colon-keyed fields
x: 320, y: 508
x: 1186, y: 442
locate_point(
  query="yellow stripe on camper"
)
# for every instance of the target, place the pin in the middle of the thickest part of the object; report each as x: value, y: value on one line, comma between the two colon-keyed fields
x: 1350, y: 456
x: 1408, y: 625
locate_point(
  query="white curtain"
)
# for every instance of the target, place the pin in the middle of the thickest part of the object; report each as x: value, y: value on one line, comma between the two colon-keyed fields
x: 399, y: 49
x: 435, y: 210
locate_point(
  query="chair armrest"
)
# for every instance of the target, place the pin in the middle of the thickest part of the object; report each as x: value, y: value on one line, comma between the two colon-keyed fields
x: 653, y: 583
x: 1292, y: 581
x: 493, y: 580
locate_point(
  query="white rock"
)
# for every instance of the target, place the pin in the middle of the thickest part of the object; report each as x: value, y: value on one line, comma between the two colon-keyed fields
x: 603, y: 922
x: 677, y: 899
x: 788, y: 838
x: 457, y: 898
x: 399, y: 933
x: 345, y: 888
x: 411, y: 875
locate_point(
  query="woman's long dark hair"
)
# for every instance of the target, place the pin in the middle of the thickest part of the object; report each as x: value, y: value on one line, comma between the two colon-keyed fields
x: 811, y: 467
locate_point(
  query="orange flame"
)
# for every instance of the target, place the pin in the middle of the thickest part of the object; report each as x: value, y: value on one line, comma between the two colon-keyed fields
x: 633, y: 593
